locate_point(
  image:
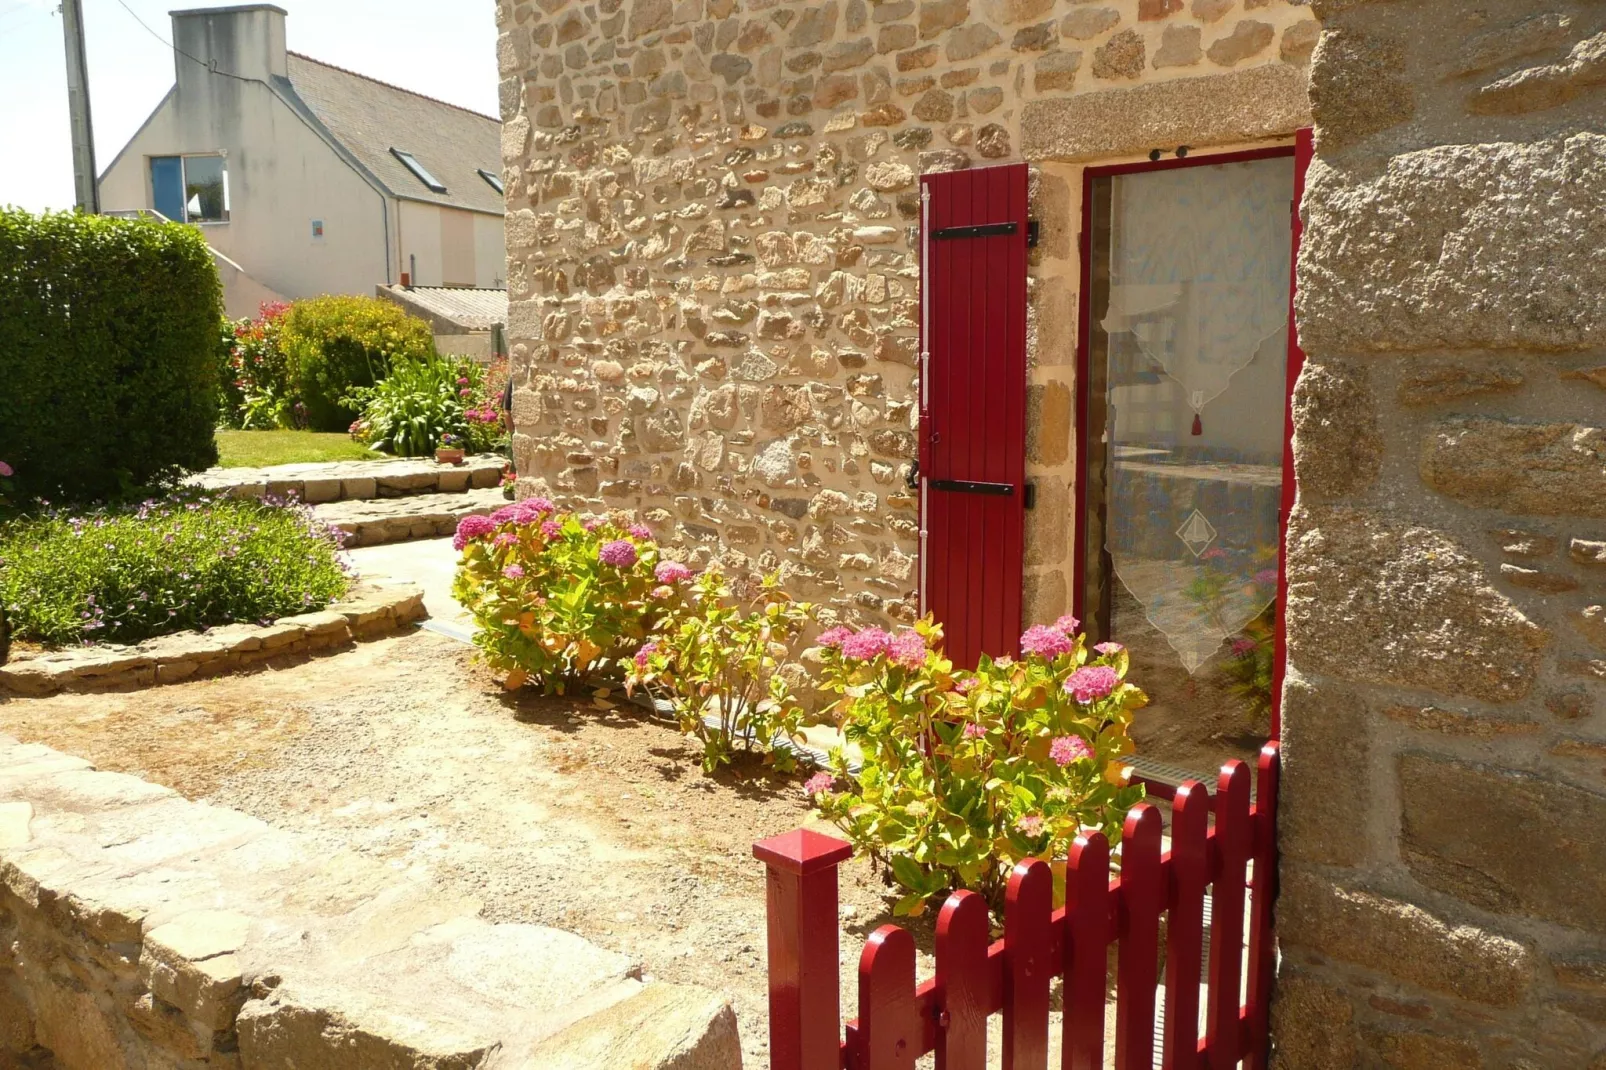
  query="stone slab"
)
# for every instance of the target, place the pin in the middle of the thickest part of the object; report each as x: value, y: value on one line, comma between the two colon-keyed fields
x: 402, y: 519
x: 335, y: 480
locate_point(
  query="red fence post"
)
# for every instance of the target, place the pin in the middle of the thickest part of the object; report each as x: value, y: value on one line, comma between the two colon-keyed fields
x: 1143, y: 897
x: 804, y: 969
x: 1087, y: 941
x: 961, y: 982
x: 889, y: 1024
x: 1263, y: 895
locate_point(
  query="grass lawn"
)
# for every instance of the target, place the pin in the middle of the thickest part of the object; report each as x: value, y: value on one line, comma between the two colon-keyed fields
x: 258, y: 449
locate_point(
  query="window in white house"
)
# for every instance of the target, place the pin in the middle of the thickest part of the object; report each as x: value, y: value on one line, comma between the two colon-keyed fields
x: 492, y: 179
x: 419, y: 171
x: 191, y: 189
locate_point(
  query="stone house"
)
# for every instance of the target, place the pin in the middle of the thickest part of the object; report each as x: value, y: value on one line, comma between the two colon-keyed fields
x: 718, y: 215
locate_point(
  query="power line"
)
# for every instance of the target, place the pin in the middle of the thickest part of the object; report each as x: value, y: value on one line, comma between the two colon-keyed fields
x: 211, y: 66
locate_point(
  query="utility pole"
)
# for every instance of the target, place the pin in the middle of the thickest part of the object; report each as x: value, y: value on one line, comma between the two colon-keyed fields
x: 83, y: 131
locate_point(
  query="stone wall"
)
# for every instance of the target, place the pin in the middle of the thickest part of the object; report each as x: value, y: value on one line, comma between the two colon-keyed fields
x: 713, y: 245
x: 1444, y: 829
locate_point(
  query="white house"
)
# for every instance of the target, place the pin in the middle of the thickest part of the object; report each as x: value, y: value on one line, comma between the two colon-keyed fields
x: 311, y: 179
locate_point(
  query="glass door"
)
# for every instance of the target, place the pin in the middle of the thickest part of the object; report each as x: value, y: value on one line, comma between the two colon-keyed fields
x: 1185, y: 392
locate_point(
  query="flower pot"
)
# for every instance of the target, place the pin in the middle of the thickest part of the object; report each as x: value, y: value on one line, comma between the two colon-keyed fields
x: 446, y: 455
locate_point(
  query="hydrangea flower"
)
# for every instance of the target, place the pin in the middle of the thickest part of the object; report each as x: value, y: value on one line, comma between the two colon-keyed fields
x: 1109, y: 648
x: 966, y: 685
x: 514, y: 572
x: 663, y: 592
x: 1067, y: 749
x: 551, y: 529
x: 1045, y: 642
x: 818, y: 784
x: 647, y: 650
x: 1030, y: 824
x: 620, y: 553
x: 1067, y: 624
x: 835, y: 637
x: 507, y: 538
x: 866, y: 645
x: 540, y: 505
x: 640, y: 531
x: 908, y: 648
x: 1092, y: 682
x: 671, y: 572
x: 974, y: 731
x: 1266, y: 577
x: 471, y: 528
x: 1242, y: 646
x: 6, y: 471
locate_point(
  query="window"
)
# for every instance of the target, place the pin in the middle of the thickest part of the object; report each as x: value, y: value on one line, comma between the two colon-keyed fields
x: 191, y: 189
x: 493, y: 180
x: 419, y: 171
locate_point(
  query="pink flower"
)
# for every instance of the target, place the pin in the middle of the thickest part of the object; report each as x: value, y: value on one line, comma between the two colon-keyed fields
x: 507, y: 538
x: 514, y: 572
x: 866, y: 645
x: 551, y: 529
x: 1030, y: 824
x: 966, y: 685
x: 540, y: 505
x: 640, y: 531
x: 465, y: 392
x: 974, y: 731
x: 908, y: 648
x: 6, y: 471
x: 1067, y: 624
x: 1067, y: 749
x: 835, y: 637
x: 461, y: 381
x: 1109, y: 648
x: 647, y: 650
x: 506, y: 514
x: 663, y: 592
x: 1242, y: 646
x: 1092, y: 682
x: 818, y: 784
x: 471, y: 528
x: 671, y: 572
x: 1215, y: 553
x: 1266, y: 577
x: 620, y: 553
x: 1045, y: 642
x: 592, y: 523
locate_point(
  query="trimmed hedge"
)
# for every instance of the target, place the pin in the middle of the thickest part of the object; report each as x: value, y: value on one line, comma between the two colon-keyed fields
x: 108, y: 343
x: 335, y: 344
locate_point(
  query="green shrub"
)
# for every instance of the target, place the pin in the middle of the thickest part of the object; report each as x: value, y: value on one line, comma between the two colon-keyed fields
x: 263, y: 393
x: 559, y: 601
x: 182, y: 563
x: 336, y: 344
x: 965, y: 774
x: 724, y: 663
x: 108, y: 342
x: 421, y: 401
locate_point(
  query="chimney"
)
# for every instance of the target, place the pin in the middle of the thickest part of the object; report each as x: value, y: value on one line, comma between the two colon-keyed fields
x: 247, y: 41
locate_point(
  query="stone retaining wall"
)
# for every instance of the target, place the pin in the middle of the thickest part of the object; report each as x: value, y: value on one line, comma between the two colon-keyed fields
x: 713, y: 245
x: 1444, y: 820
x: 138, y: 929
x: 369, y: 612
x: 348, y: 480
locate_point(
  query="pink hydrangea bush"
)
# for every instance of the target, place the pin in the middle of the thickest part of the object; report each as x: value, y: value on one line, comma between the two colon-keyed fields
x: 964, y: 774
x: 560, y: 600
x: 722, y: 663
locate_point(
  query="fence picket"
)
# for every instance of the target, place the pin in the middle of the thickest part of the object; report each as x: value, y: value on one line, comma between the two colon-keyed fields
x: 1029, y: 965
x: 1234, y: 841
x: 1087, y: 940
x: 961, y: 992
x: 1190, y: 872
x: 1262, y: 954
x: 1137, y: 969
x: 888, y: 1033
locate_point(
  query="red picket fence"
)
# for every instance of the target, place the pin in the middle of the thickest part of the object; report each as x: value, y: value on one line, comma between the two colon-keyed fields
x: 1223, y: 846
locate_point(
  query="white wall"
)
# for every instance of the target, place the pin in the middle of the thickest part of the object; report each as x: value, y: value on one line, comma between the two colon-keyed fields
x: 450, y: 245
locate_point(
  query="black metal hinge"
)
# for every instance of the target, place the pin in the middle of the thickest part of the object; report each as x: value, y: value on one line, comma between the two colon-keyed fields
x: 1033, y: 230
x: 983, y: 230
x: 1031, y: 496
x: 970, y: 486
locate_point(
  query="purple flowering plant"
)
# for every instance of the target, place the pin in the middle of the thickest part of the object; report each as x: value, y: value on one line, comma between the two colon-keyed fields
x: 560, y: 600
x: 964, y: 774
x: 186, y: 562
x: 724, y: 663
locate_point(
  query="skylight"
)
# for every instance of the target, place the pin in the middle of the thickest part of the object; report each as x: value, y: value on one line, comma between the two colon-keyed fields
x: 419, y: 171
x: 494, y: 180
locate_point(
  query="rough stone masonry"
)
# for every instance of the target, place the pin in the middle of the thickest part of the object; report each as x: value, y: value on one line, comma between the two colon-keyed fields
x: 1444, y: 828
x: 713, y: 245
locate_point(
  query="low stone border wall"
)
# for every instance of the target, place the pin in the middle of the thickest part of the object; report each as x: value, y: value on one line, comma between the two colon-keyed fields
x: 424, y: 516
x: 341, y: 480
x: 138, y: 929
x: 370, y: 612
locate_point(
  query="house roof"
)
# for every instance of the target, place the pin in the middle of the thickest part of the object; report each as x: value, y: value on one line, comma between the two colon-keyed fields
x: 370, y: 118
x: 471, y: 309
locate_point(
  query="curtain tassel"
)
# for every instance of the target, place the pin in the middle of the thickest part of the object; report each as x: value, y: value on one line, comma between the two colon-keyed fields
x: 1198, y: 424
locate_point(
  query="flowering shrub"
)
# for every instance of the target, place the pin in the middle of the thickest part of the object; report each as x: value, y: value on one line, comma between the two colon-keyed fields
x: 965, y: 774
x: 334, y: 345
x: 260, y: 373
x: 558, y: 600
x: 416, y: 407
x: 166, y: 566
x: 721, y: 660
x: 481, y: 391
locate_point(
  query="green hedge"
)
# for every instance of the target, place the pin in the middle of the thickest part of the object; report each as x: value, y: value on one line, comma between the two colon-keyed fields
x: 108, y: 341
x: 335, y: 344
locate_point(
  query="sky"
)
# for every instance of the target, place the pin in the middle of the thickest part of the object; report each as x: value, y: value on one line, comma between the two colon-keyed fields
x: 442, y: 48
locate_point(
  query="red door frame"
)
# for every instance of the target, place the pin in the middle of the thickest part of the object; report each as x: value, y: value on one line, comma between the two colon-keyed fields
x: 1300, y: 152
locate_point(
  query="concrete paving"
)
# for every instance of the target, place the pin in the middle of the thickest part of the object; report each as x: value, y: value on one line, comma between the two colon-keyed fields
x: 425, y: 563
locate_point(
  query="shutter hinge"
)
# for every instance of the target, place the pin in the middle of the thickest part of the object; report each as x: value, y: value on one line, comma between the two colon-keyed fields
x: 1033, y: 229
x: 1030, y: 497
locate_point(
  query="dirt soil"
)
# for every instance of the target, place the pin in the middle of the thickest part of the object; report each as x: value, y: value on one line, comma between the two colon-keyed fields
x: 552, y: 811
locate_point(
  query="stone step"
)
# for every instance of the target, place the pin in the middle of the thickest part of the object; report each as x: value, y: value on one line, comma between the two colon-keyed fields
x: 372, y: 522
x: 355, y: 480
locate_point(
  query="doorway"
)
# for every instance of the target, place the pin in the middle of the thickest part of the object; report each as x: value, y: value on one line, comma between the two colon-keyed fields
x: 1183, y: 385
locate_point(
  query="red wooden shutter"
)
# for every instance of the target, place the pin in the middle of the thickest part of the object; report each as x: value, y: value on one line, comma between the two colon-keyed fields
x: 973, y: 406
